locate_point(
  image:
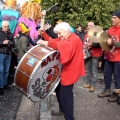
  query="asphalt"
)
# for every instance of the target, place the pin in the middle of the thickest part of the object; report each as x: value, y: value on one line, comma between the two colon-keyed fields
x: 87, y: 105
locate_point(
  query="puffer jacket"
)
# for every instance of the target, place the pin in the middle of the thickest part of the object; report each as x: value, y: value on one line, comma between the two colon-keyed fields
x: 4, y: 48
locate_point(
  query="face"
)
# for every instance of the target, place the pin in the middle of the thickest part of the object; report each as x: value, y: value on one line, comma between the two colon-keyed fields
x: 79, y: 29
x: 115, y: 21
x: 90, y: 24
x: 5, y: 27
x: 28, y: 33
x: 62, y: 34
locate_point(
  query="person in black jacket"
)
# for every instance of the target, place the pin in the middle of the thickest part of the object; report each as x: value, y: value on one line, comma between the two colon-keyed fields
x: 80, y: 32
x: 49, y: 31
x: 6, y: 43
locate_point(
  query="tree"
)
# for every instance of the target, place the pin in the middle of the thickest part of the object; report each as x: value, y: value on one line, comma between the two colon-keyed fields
x: 80, y: 12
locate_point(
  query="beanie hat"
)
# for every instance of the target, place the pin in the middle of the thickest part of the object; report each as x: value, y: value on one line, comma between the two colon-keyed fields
x: 116, y: 14
x: 23, y: 27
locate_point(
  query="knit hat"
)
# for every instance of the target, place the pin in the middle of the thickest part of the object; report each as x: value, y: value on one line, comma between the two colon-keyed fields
x: 116, y: 14
x: 23, y: 27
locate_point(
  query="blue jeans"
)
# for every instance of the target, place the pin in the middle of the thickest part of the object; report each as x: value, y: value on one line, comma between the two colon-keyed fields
x: 5, y: 61
x: 91, y: 65
x: 109, y: 68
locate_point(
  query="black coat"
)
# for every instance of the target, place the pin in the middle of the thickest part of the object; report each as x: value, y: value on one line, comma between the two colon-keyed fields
x: 5, y: 48
x: 81, y: 35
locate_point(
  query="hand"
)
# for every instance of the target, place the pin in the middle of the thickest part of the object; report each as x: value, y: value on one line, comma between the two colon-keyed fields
x: 42, y: 42
x: 89, y: 44
x: 5, y: 41
x: 41, y: 31
x: 110, y: 42
x: 47, y: 26
x: 85, y: 47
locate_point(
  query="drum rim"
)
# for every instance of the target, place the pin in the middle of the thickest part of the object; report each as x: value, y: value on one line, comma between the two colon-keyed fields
x: 33, y: 72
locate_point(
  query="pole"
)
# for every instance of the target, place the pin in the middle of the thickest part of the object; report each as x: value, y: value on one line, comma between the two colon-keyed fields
x: 45, y: 109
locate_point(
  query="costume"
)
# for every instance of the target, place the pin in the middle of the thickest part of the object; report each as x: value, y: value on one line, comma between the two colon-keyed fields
x: 5, y: 58
x: 71, y: 56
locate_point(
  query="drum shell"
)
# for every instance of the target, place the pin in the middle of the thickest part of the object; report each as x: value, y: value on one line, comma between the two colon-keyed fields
x: 25, y: 75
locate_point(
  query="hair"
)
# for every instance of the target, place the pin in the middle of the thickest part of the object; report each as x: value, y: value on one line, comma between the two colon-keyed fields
x: 92, y: 23
x: 5, y: 22
x: 62, y: 26
x: 79, y: 26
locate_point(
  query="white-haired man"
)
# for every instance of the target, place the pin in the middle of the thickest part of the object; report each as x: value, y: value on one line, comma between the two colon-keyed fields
x: 71, y: 56
x: 6, y: 40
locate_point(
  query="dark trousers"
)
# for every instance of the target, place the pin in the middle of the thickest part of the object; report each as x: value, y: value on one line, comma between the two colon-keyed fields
x: 65, y: 99
x: 109, y: 68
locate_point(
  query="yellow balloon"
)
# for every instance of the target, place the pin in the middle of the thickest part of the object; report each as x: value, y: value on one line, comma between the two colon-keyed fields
x: 38, y: 1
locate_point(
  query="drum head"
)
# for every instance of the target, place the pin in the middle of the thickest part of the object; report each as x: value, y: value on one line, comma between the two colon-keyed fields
x: 45, y: 77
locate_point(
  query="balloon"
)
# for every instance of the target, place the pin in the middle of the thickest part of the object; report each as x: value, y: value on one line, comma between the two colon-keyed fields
x: 72, y: 29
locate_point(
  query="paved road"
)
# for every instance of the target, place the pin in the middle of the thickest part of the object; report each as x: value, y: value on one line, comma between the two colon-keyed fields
x: 87, y: 106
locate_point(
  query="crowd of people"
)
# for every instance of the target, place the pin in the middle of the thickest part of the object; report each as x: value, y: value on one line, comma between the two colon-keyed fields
x: 70, y: 45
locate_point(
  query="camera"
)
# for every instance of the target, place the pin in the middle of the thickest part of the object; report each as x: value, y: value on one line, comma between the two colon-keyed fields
x: 11, y: 44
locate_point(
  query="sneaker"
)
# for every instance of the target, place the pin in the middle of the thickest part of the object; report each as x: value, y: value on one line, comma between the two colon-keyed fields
x: 1, y: 91
x: 87, y: 86
x: 113, y: 97
x: 105, y: 93
x: 7, y: 87
x: 56, y: 113
x: 92, y: 89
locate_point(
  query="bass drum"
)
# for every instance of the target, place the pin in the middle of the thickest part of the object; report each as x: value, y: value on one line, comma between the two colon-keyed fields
x: 38, y: 72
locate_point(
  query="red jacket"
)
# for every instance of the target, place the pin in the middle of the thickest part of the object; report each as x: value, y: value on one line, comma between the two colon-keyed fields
x: 95, y: 52
x: 115, y: 54
x: 71, y: 56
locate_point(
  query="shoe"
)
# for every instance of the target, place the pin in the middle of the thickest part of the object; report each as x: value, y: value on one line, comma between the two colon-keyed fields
x: 113, y: 97
x: 117, y: 91
x: 92, y: 89
x: 99, y: 70
x: 87, y: 86
x: 1, y: 91
x: 106, y: 93
x: 7, y: 87
x: 56, y: 113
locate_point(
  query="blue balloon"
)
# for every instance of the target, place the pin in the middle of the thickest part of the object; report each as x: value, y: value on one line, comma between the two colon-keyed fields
x: 72, y: 29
